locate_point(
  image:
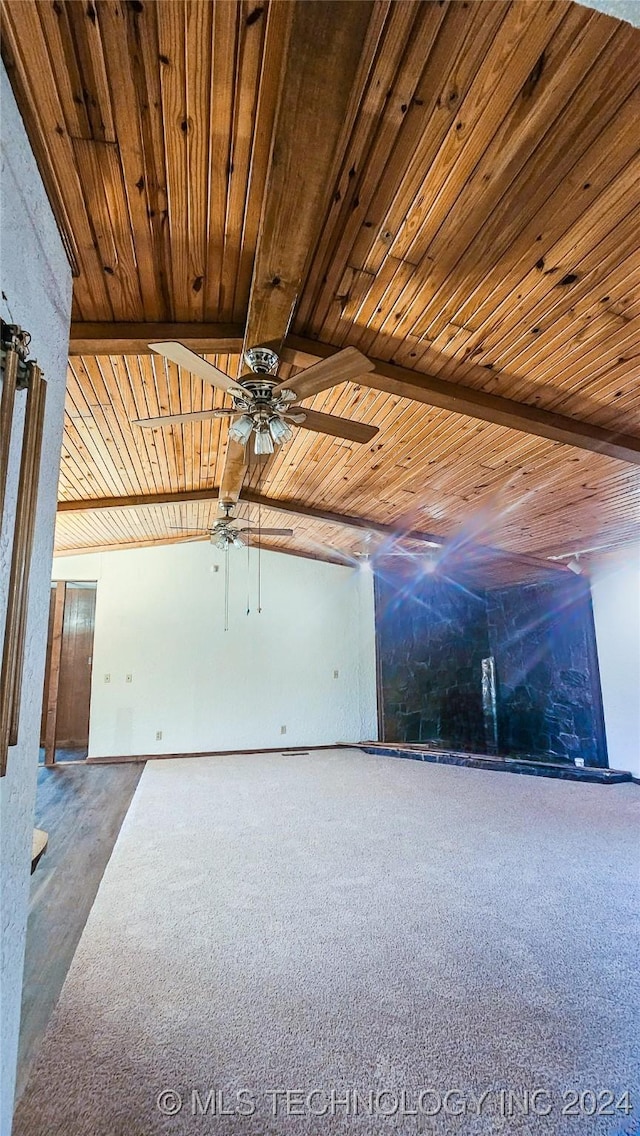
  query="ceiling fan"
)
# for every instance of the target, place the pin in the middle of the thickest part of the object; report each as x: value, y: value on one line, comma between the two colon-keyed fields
x: 264, y: 407
x: 224, y: 536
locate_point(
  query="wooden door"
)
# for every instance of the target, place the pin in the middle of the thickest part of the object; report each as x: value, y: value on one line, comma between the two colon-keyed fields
x: 65, y: 718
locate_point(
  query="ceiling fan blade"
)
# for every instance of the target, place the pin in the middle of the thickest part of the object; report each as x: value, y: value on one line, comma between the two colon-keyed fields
x: 181, y: 355
x: 337, y: 427
x: 339, y: 368
x: 235, y: 467
x: 268, y: 532
x: 188, y: 528
x: 190, y: 416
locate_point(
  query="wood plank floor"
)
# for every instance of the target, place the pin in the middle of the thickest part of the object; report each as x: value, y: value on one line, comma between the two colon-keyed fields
x: 78, y: 753
x: 82, y: 808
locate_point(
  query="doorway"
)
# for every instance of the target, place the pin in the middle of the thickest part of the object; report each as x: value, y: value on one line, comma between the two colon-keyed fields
x: 64, y: 729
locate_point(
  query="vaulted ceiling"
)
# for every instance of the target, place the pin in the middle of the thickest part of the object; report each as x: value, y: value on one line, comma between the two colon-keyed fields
x: 453, y: 188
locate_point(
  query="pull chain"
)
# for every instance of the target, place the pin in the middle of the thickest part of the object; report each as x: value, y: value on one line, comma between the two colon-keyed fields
x: 248, y: 579
x: 249, y: 540
x: 226, y: 588
x: 260, y: 546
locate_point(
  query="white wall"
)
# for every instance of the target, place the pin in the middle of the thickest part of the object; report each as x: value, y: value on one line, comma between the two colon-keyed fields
x: 36, y: 293
x: 628, y: 10
x: 160, y: 618
x: 615, y: 589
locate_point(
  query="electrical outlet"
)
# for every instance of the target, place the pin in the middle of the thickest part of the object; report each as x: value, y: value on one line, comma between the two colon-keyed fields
x: 107, y: 678
x: 158, y: 735
x: 336, y: 674
x: 283, y: 729
x: 129, y: 678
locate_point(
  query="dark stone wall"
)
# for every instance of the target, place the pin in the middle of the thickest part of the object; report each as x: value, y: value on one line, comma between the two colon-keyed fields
x: 432, y: 637
x: 549, y: 699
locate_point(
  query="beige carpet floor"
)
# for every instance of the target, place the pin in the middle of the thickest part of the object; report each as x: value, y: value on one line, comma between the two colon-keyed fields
x: 396, y: 945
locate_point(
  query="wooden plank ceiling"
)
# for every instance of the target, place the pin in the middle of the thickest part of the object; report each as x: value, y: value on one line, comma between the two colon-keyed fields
x: 478, y: 224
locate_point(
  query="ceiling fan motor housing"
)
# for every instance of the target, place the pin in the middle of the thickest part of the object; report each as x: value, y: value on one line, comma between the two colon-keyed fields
x: 265, y: 412
x: 259, y: 389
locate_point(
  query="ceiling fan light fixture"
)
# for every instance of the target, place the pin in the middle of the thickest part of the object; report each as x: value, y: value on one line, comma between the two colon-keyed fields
x: 279, y: 430
x: 263, y: 442
x: 241, y: 429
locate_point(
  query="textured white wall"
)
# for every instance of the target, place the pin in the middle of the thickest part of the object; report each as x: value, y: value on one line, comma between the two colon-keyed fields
x: 36, y: 293
x: 615, y: 590
x: 160, y: 618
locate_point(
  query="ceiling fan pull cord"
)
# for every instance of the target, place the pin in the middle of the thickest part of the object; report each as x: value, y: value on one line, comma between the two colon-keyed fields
x: 260, y: 545
x: 249, y: 472
x: 248, y: 580
x: 226, y: 588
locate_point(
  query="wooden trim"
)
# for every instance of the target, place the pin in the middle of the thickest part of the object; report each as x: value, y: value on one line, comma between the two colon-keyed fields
x: 15, y: 622
x: 7, y: 402
x: 134, y: 338
x: 54, y: 673
x: 476, y: 403
x: 31, y: 491
x: 293, y: 750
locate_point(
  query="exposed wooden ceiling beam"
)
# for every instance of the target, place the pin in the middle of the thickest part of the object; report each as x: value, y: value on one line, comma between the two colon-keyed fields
x: 626, y: 537
x: 325, y: 45
x: 477, y: 404
x: 134, y: 338
x: 188, y: 496
x: 300, y: 508
x: 324, y: 41
x: 265, y: 545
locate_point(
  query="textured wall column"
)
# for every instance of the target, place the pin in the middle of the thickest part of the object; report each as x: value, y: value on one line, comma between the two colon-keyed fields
x: 36, y: 293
